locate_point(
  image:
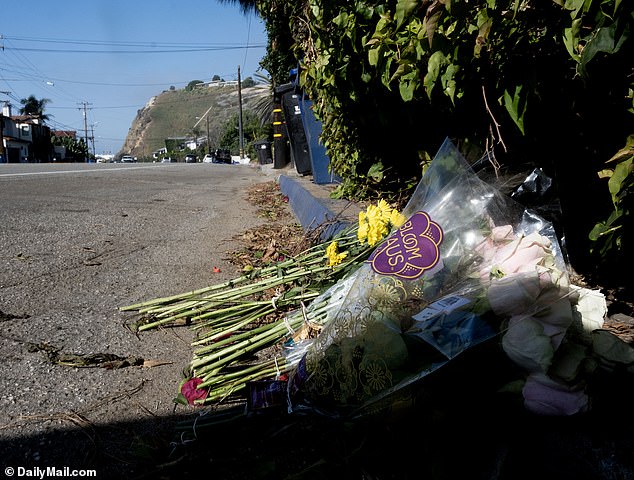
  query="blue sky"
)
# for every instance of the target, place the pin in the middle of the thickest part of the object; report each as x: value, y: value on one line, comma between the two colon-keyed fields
x: 113, y: 55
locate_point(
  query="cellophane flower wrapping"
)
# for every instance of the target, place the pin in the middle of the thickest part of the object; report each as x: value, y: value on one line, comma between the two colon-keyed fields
x: 468, y: 265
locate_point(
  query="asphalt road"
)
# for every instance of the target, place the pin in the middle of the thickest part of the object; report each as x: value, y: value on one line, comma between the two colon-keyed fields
x: 78, y: 241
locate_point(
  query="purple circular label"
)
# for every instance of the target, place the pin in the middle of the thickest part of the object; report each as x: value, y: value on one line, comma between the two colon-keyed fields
x: 411, y: 250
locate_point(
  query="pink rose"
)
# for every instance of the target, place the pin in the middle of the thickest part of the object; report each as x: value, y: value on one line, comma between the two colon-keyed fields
x: 522, y: 254
x: 502, y: 234
x: 498, y: 237
x: 504, y: 254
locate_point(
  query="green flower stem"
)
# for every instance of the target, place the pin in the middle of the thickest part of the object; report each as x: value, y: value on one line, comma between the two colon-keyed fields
x: 166, y: 320
x: 235, y: 341
x: 190, y: 312
x: 197, y: 303
x: 272, y: 334
x: 203, y: 311
x: 219, y: 330
x: 218, y: 326
x: 240, y: 292
x: 181, y: 296
x: 315, y: 254
x: 279, y: 304
x: 230, y: 284
x: 217, y: 317
x: 248, y: 306
x: 217, y: 339
x: 223, y: 392
x: 268, y: 367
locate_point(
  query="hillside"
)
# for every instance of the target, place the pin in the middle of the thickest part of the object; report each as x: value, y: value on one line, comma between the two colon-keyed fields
x: 173, y: 113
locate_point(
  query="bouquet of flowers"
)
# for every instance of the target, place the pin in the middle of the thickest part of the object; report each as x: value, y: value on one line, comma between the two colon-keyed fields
x: 469, y: 264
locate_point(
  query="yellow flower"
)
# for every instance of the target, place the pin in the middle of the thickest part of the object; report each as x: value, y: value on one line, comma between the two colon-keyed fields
x: 362, y: 233
x: 377, y: 231
x: 385, y: 208
x: 397, y: 218
x: 376, y: 221
x: 333, y: 255
x: 373, y: 213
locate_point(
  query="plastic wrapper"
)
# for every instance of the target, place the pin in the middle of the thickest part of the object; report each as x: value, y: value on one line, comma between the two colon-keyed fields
x: 469, y: 264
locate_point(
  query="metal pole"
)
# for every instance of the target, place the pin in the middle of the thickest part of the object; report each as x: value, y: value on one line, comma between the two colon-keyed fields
x: 92, y: 137
x: 85, y: 105
x: 240, y: 115
x: 208, y: 146
x: 2, y: 137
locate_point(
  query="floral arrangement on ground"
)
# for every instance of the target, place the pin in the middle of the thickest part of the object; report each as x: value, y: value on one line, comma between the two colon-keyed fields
x: 351, y: 325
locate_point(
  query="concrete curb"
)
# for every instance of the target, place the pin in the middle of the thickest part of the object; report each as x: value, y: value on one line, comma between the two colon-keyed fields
x: 311, y: 212
x: 312, y: 204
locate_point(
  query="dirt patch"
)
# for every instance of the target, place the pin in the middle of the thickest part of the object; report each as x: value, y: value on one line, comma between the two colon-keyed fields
x: 280, y: 237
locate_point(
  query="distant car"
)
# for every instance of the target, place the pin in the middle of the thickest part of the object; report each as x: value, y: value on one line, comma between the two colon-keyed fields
x: 191, y: 158
x: 222, y: 155
x: 127, y: 159
x: 209, y: 158
x: 168, y: 160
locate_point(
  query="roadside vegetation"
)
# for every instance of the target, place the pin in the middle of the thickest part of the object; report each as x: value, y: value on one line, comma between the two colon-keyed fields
x: 532, y: 84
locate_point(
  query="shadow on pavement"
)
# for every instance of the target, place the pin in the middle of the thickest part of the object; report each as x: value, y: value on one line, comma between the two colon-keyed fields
x: 455, y: 425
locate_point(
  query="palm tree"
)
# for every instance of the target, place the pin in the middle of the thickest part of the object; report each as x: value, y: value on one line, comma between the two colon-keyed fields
x: 247, y: 6
x: 33, y: 106
x: 264, y: 106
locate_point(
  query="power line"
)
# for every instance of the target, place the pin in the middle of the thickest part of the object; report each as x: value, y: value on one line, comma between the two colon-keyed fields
x: 174, y: 50
x: 78, y: 82
x: 123, y: 43
x: 125, y: 47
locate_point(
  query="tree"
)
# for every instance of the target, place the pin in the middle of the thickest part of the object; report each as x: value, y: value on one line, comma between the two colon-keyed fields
x: 248, y: 82
x: 193, y: 84
x: 251, y: 129
x: 76, y: 149
x: 246, y: 6
x: 33, y: 106
x: 263, y: 107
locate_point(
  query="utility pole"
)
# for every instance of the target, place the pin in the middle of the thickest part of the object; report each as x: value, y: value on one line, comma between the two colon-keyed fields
x: 85, y: 106
x: 92, y: 138
x: 1, y: 137
x: 208, y: 146
x: 240, y: 116
x: 2, y: 152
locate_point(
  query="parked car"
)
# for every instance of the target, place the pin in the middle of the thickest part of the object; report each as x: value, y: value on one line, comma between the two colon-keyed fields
x: 168, y: 160
x: 127, y: 159
x: 190, y: 158
x: 209, y: 158
x: 222, y: 155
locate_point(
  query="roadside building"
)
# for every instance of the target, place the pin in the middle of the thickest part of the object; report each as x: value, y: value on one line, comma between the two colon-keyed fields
x: 24, y: 138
